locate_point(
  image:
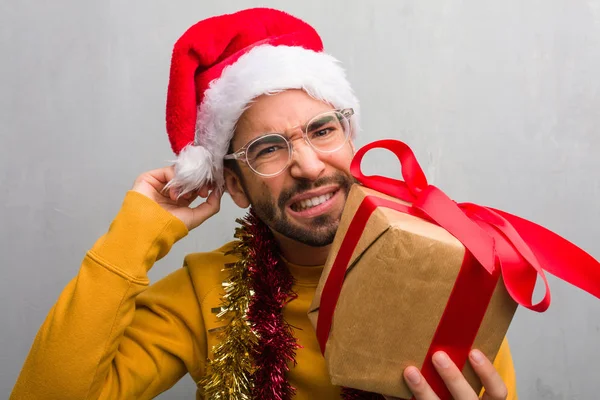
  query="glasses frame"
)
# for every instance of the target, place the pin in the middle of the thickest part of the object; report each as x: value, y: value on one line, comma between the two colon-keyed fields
x: 240, y: 154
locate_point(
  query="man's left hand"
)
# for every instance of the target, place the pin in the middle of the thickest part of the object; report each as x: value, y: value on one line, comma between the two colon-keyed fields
x: 495, y: 389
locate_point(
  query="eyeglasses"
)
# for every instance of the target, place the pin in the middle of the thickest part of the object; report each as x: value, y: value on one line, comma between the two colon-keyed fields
x: 270, y: 154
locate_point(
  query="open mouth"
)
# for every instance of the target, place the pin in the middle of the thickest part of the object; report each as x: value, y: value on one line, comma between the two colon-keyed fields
x: 310, y: 203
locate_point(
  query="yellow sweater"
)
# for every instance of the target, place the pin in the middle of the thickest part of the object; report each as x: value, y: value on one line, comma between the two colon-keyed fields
x: 112, y: 336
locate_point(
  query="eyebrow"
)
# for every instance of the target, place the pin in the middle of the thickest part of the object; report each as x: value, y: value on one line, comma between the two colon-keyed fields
x: 320, y: 122
x: 267, y: 138
x: 315, y: 125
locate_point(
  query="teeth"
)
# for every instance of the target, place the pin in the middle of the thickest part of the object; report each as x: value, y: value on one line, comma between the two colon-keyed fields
x: 312, y: 202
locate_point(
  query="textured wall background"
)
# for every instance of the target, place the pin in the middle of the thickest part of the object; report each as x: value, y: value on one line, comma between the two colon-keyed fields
x: 499, y: 99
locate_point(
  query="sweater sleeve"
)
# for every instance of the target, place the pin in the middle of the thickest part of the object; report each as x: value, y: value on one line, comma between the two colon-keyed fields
x: 109, y: 336
x: 504, y: 366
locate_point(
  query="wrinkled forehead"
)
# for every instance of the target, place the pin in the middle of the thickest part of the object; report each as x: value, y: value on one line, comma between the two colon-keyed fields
x: 279, y: 113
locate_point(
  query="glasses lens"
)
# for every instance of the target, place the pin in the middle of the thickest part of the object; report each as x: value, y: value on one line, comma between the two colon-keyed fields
x: 328, y: 132
x: 268, y: 155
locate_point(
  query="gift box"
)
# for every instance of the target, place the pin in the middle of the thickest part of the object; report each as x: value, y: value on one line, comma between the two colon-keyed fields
x: 396, y: 287
x: 412, y: 272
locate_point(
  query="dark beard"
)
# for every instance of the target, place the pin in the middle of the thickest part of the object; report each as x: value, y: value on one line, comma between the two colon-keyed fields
x: 323, y: 227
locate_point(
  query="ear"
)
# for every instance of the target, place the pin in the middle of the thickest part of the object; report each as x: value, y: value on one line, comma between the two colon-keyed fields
x: 233, y: 184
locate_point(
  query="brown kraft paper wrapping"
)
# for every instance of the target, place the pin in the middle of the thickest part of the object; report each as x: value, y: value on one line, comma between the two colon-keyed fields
x: 395, y: 291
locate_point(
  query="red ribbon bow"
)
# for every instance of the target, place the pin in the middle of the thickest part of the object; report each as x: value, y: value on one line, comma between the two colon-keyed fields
x: 500, y: 242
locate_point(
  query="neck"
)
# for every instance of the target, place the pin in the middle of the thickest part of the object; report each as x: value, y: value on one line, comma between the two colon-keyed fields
x: 300, y: 253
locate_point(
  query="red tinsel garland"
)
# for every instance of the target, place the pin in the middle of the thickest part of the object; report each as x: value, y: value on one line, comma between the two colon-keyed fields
x: 271, y: 283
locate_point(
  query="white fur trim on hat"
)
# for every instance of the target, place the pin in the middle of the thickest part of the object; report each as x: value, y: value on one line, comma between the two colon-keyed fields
x: 265, y: 69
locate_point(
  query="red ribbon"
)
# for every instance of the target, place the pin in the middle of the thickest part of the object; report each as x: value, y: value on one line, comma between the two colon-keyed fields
x: 496, y: 242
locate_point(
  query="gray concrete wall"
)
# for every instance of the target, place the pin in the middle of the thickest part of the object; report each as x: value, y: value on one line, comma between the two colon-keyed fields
x: 499, y: 99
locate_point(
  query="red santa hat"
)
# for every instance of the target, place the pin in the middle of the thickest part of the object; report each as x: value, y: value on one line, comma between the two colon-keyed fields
x: 221, y: 64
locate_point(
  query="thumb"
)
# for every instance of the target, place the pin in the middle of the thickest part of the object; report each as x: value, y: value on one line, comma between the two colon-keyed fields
x: 207, y: 209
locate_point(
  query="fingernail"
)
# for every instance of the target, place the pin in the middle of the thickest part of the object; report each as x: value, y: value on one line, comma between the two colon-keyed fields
x: 441, y: 360
x: 477, y: 357
x: 413, y: 375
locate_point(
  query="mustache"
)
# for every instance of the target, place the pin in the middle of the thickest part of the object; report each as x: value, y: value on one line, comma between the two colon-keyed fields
x: 300, y: 186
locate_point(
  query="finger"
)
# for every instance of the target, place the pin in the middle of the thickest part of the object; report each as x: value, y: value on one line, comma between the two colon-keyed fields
x: 418, y: 385
x: 189, y: 195
x: 214, y: 200
x: 186, y: 199
x: 192, y: 196
x: 495, y: 388
x: 163, y: 175
x: 157, y: 178
x: 203, y: 191
x: 453, y: 377
x: 174, y: 193
x: 210, y: 207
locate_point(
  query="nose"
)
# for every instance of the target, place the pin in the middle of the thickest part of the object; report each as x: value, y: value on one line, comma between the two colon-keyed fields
x: 306, y: 163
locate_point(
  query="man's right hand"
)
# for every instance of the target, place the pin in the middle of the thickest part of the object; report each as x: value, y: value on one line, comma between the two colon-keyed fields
x: 152, y: 184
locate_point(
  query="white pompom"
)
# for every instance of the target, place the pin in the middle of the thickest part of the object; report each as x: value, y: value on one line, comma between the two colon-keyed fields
x: 195, y: 168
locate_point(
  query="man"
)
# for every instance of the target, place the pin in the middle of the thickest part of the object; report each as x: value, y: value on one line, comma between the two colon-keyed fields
x: 257, y: 109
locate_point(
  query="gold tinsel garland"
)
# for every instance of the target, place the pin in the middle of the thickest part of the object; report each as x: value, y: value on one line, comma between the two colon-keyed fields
x: 230, y: 371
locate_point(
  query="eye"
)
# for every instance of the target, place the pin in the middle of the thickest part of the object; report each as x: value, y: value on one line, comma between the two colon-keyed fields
x: 322, y: 132
x: 267, y: 147
x: 268, y: 150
